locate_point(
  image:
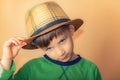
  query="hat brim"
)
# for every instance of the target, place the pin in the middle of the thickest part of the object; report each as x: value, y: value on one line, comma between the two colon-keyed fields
x: 76, y: 22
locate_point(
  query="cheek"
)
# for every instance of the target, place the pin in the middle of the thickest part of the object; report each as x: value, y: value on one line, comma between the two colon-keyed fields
x: 51, y: 54
x: 69, y: 46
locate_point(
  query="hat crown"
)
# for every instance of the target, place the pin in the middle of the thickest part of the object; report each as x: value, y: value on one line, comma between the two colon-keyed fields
x: 46, y: 17
x: 43, y: 14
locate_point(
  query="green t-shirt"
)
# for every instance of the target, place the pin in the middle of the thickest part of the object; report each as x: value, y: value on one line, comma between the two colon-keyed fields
x: 45, y: 68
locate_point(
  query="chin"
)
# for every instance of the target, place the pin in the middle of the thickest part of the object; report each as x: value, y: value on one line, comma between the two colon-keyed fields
x: 66, y: 60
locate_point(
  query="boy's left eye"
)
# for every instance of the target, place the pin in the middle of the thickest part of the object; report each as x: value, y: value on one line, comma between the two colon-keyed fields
x: 62, y: 41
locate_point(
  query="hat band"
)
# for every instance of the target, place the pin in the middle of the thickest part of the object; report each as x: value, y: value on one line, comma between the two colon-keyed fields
x: 49, y: 25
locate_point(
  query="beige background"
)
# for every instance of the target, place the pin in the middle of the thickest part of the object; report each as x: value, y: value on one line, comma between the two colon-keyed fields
x: 98, y: 39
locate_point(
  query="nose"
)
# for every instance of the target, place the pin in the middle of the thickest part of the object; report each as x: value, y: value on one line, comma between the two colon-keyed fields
x: 60, y: 51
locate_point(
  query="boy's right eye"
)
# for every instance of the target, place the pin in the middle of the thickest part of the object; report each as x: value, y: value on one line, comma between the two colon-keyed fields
x: 49, y: 48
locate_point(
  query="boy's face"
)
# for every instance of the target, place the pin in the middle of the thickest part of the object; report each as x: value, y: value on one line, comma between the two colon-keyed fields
x: 61, y: 47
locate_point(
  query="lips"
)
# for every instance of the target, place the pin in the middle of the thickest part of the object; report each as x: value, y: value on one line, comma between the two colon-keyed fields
x: 64, y: 58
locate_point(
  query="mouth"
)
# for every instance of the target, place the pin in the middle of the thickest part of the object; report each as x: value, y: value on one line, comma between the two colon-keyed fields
x: 64, y: 58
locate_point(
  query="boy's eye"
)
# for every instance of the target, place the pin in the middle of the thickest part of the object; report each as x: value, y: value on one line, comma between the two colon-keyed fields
x: 49, y: 48
x: 62, y: 41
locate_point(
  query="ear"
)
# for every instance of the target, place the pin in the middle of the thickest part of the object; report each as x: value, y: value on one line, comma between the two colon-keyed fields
x: 72, y: 29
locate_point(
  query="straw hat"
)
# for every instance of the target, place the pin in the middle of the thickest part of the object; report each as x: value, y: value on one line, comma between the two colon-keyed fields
x: 45, y: 17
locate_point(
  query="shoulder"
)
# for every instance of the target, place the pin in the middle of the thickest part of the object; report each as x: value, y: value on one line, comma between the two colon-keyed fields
x: 89, y: 69
x: 87, y: 63
x: 34, y: 62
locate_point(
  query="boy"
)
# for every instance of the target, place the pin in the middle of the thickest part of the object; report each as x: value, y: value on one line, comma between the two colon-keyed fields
x: 51, y: 30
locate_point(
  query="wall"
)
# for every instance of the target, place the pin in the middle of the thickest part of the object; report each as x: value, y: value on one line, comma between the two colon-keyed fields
x: 98, y: 39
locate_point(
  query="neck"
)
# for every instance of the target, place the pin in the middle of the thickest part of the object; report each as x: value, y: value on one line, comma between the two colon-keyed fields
x: 73, y: 57
x: 73, y: 60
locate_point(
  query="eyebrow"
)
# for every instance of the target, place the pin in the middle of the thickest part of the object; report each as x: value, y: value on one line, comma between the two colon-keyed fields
x: 63, y: 36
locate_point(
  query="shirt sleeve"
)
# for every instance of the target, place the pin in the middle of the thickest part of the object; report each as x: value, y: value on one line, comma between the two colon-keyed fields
x: 7, y: 74
x: 93, y: 73
x: 97, y: 74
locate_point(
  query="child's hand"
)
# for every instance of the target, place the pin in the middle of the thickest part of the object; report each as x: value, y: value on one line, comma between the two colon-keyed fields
x: 11, y: 47
x: 10, y: 50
